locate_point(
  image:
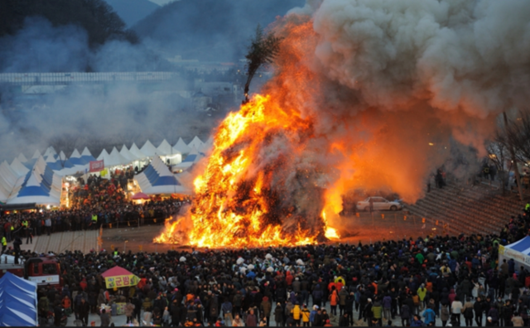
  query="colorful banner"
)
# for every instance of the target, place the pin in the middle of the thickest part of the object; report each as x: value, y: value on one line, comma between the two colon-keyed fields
x: 96, y: 166
x: 121, y: 281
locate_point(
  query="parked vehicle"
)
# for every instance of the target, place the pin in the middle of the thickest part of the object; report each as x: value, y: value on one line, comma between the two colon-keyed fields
x: 379, y: 204
x: 42, y: 270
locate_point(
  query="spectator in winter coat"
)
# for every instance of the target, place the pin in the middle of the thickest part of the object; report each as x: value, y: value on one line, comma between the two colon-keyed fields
x: 416, y: 322
x: 405, y: 315
x: 445, y: 314
x: 430, y: 316
x: 129, y: 311
x: 251, y: 320
x: 387, y: 307
x: 312, y: 315
x: 278, y: 314
x: 305, y: 316
x: 227, y: 309
x: 377, y: 311
x: 493, y: 314
x: 456, y: 309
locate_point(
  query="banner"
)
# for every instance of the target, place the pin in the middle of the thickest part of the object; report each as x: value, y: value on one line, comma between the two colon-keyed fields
x: 96, y: 166
x: 121, y: 281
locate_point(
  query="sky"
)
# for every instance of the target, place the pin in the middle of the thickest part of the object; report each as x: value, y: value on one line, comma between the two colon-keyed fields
x: 161, y: 2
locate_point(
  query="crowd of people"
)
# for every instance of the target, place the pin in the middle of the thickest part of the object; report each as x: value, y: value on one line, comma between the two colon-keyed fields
x: 415, y: 282
x: 94, y: 203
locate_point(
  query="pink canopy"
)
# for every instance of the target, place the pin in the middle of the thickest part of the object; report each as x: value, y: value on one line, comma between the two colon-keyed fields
x: 140, y: 195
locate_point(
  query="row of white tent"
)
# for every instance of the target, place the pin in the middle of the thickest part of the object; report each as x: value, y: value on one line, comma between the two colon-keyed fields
x: 43, y: 172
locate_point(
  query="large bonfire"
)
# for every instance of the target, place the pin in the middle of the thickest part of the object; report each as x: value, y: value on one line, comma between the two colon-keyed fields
x: 364, y: 94
x: 256, y: 189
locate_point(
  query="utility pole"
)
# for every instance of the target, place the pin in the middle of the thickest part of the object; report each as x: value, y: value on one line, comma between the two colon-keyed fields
x: 514, y: 160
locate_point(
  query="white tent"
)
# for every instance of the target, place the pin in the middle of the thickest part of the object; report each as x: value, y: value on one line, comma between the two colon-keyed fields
x: 105, y: 157
x: 169, y: 154
x: 165, y: 149
x: 8, y: 179
x: 207, y: 146
x: 36, y: 154
x: 75, y: 154
x: 193, y: 157
x: 181, y: 147
x: 127, y: 154
x: 86, y: 156
x: 117, y: 159
x: 18, y: 167
x: 40, y: 186
x: 518, y: 251
x: 50, y: 159
x: 196, y: 143
x: 157, y: 179
x: 137, y: 152
x: 7, y: 174
x: 148, y: 149
x: 80, y: 164
x: 22, y: 158
x: 49, y: 151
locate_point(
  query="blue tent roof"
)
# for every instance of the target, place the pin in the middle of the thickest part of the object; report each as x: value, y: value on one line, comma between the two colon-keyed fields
x: 157, y: 179
x: 521, y: 246
x: 18, y: 301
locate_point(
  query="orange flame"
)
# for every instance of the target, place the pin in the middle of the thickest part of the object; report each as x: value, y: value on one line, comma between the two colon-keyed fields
x: 245, y: 197
x: 220, y: 217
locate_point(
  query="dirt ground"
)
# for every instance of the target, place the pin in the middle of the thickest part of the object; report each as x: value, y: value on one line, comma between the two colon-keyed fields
x: 364, y: 228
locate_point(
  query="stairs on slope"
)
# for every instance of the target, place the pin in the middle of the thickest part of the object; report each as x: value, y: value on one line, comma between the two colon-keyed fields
x: 466, y: 209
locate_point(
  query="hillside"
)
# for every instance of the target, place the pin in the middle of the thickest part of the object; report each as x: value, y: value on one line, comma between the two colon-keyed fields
x: 132, y: 11
x: 211, y: 30
x: 95, y: 17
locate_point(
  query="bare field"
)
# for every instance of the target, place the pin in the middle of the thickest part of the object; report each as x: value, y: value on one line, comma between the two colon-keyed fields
x: 366, y: 228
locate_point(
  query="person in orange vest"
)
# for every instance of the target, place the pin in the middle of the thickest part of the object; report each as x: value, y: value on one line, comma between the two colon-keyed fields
x: 66, y: 303
x: 334, y: 300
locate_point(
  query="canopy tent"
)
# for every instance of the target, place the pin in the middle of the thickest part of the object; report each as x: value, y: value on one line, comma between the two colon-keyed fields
x: 169, y: 154
x: 196, y: 143
x: 165, y: 149
x: 158, y: 179
x: 518, y: 251
x: 105, y: 157
x: 75, y: 158
x: 119, y: 277
x: 86, y: 156
x: 49, y: 151
x: 79, y: 164
x: 193, y: 157
x: 117, y: 159
x: 18, y: 301
x: 40, y: 185
x: 181, y: 147
x: 127, y: 154
x: 206, y: 147
x: 63, y: 165
x: 148, y: 149
x: 36, y: 155
x: 8, y: 179
x: 22, y: 158
x: 18, y: 167
x: 137, y: 152
x: 140, y: 195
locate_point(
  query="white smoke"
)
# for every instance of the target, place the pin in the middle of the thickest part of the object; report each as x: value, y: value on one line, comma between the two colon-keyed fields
x: 456, y: 54
x: 416, y: 74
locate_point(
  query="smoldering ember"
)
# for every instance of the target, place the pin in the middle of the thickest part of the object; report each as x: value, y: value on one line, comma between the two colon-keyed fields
x: 271, y: 163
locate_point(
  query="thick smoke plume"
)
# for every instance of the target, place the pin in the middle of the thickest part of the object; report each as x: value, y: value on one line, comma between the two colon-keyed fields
x: 391, y: 83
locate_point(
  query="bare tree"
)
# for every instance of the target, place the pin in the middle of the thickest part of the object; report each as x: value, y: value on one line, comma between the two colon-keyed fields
x: 263, y: 49
x: 499, y: 154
